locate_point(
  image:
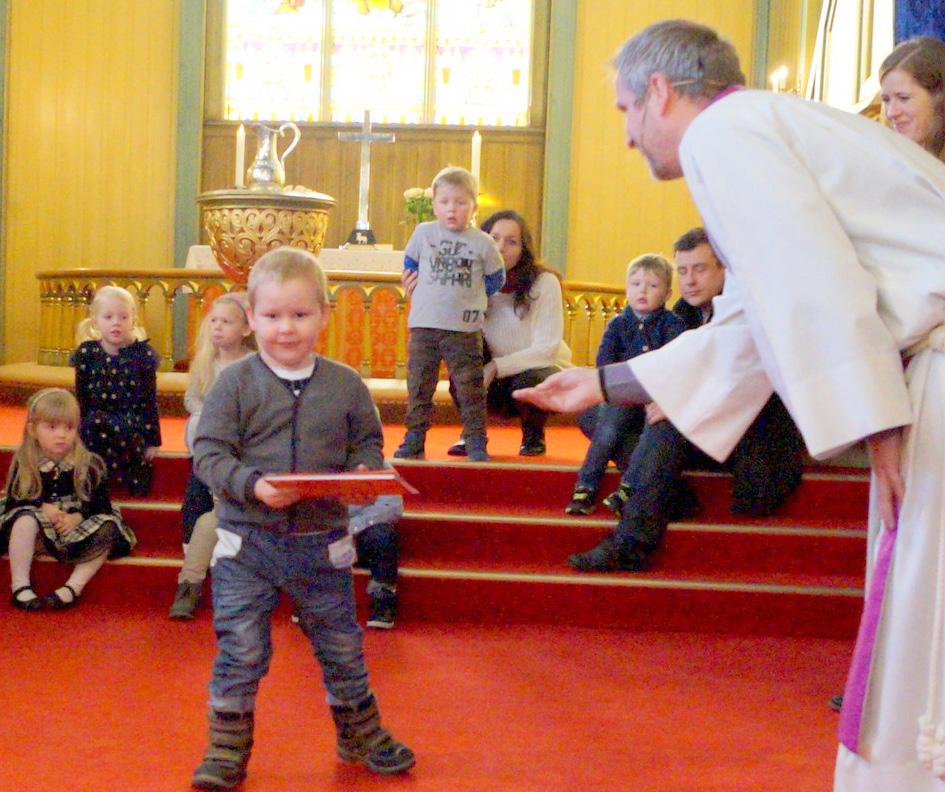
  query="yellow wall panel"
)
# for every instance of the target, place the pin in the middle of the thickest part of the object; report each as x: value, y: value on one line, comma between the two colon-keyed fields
x: 90, y: 147
x: 616, y: 210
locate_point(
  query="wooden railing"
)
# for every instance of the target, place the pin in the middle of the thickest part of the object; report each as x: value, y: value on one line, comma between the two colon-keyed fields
x: 367, y: 329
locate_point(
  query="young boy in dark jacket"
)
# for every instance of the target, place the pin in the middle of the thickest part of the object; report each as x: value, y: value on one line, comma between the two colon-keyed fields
x: 644, y: 325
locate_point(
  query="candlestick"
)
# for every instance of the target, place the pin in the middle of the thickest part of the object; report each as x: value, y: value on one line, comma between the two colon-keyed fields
x: 240, y: 155
x: 476, y: 154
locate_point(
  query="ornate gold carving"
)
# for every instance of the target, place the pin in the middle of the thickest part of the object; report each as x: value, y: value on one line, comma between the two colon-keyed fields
x: 242, y: 225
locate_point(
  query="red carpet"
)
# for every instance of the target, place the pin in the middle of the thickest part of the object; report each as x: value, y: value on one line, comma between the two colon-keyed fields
x: 499, y: 673
x: 566, y: 444
x: 97, y: 700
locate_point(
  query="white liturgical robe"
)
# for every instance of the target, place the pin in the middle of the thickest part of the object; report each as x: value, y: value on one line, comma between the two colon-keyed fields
x: 832, y: 230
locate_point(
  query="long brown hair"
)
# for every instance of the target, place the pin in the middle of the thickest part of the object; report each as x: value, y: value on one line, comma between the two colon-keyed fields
x: 528, y: 268
x: 923, y: 59
x: 23, y: 480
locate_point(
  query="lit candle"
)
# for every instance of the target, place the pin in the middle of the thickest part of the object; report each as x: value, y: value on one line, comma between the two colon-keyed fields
x: 240, y: 155
x: 476, y: 153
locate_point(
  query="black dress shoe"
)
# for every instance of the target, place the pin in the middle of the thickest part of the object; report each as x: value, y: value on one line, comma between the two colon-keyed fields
x: 606, y: 558
x: 34, y: 604
x: 535, y: 447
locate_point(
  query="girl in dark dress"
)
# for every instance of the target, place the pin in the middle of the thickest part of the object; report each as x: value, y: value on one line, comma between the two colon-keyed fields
x: 57, y: 500
x: 116, y: 385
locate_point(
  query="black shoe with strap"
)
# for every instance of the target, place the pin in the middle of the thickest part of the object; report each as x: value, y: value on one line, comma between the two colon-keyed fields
x: 54, y: 601
x: 31, y: 605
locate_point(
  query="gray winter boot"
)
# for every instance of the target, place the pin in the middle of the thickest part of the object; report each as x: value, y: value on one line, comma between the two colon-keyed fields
x: 224, y: 763
x: 361, y: 738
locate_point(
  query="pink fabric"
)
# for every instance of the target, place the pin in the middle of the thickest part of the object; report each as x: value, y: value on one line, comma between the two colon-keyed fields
x: 854, y: 696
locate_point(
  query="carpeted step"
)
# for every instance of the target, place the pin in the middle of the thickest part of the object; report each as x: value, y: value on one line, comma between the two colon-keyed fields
x: 539, y: 538
x: 827, y: 606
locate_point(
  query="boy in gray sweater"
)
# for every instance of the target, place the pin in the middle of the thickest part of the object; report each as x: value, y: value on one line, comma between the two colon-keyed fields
x: 281, y: 411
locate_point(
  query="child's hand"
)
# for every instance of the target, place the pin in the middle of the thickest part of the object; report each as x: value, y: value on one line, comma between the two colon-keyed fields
x: 654, y: 413
x: 360, y: 496
x: 52, y: 514
x: 150, y: 452
x: 488, y: 373
x: 68, y: 523
x: 408, y: 280
x: 273, y: 497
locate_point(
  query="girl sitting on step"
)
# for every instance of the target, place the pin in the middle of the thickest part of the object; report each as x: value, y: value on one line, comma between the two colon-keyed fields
x: 116, y: 385
x: 57, y: 499
x: 224, y: 337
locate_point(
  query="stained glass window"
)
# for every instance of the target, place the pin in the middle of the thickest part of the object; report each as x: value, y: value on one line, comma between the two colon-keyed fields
x: 273, y: 59
x: 465, y: 62
x: 483, y: 62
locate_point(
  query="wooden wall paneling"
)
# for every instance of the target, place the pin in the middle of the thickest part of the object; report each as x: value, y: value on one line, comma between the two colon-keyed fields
x: 512, y: 165
x: 616, y: 210
x: 90, y: 145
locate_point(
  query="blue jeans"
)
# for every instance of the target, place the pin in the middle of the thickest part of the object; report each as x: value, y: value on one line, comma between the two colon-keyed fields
x: 378, y: 551
x: 251, y: 566
x: 653, y: 476
x: 613, y: 431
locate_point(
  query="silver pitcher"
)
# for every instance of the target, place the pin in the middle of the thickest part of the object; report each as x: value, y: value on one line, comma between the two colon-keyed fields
x: 268, y: 169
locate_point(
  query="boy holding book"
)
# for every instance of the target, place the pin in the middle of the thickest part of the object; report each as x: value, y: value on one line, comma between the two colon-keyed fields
x: 281, y: 411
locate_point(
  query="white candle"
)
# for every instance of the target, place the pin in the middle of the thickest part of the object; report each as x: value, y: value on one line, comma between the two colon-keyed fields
x: 240, y: 155
x: 476, y: 153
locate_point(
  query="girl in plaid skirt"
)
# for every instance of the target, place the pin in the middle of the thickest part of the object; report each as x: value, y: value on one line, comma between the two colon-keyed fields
x: 57, y: 501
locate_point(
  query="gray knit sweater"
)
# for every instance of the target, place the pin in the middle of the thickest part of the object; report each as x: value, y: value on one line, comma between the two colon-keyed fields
x: 251, y: 424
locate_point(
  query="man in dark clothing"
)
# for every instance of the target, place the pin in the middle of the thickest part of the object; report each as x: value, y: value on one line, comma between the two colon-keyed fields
x: 765, y: 464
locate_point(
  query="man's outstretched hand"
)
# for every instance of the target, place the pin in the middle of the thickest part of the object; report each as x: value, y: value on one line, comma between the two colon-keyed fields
x: 569, y: 391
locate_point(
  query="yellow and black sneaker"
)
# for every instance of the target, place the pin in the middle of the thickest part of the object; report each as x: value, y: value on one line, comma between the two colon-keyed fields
x: 582, y: 501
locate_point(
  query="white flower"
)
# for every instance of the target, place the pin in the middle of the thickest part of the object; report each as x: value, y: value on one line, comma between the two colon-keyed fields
x: 428, y: 192
x: 413, y: 192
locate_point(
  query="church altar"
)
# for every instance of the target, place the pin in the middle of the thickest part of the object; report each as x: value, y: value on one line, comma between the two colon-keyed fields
x: 357, y: 258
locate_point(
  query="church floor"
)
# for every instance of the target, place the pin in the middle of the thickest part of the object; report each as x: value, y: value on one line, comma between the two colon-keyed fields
x: 114, y: 698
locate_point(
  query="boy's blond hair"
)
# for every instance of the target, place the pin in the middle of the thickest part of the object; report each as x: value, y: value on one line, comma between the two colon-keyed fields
x: 87, y: 331
x: 655, y: 263
x: 288, y: 263
x: 457, y: 177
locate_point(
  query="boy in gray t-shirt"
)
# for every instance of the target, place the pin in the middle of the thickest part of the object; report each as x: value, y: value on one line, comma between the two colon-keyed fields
x: 458, y: 268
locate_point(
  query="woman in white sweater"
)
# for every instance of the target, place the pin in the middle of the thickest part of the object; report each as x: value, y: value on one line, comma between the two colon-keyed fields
x: 523, y: 330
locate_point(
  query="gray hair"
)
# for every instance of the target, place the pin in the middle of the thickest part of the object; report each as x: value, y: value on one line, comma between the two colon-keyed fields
x: 691, y: 56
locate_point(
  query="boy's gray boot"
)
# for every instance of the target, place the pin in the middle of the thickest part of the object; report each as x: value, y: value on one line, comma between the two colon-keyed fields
x: 476, y: 448
x: 361, y: 738
x: 413, y: 445
x: 185, y: 601
x: 224, y: 763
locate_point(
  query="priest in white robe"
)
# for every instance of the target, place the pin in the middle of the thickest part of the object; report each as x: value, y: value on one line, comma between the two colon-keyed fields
x: 833, y: 232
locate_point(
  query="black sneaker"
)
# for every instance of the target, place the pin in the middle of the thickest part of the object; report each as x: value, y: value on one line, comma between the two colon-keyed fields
x: 582, y: 501
x: 617, y: 499
x: 836, y: 702
x: 457, y: 449
x: 383, y: 610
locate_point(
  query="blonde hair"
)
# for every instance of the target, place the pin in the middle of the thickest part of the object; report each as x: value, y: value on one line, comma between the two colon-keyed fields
x: 655, y: 263
x: 202, y: 370
x: 457, y: 177
x: 87, y: 331
x: 284, y: 264
x: 23, y: 480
